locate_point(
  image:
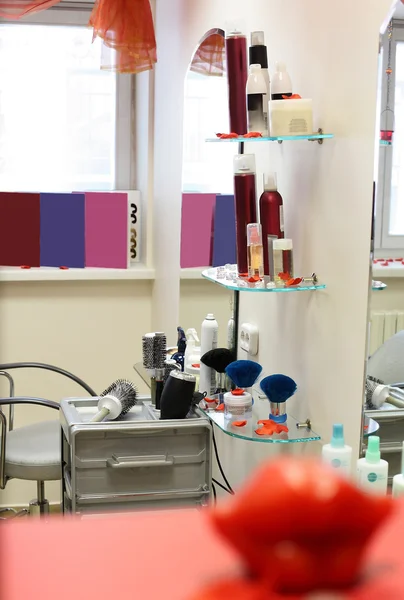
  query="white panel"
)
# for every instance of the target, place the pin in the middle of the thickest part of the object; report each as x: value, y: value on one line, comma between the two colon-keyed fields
x: 376, y: 331
x: 400, y: 321
x: 390, y: 324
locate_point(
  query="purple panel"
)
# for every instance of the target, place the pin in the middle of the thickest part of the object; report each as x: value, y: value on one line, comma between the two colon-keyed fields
x: 224, y: 237
x: 62, y: 230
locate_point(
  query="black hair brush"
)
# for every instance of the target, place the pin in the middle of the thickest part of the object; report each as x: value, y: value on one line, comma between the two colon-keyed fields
x: 219, y: 359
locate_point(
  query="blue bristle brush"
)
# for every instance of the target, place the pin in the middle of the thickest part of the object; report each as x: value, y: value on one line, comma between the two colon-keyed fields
x: 278, y: 389
x: 243, y: 373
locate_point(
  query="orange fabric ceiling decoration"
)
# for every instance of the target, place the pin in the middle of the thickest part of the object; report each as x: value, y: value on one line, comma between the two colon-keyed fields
x: 209, y: 58
x: 127, y: 30
x: 19, y: 8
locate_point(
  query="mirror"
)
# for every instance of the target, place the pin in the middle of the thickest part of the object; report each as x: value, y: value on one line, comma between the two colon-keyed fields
x: 386, y: 340
x: 206, y: 173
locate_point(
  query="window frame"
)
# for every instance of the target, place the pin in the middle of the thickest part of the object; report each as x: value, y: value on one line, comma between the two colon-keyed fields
x: 78, y: 14
x: 384, y: 241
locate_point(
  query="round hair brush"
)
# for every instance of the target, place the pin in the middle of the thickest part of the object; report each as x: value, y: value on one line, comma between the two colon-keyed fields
x: 278, y: 389
x: 244, y: 373
x: 377, y: 393
x: 116, y: 400
x: 219, y: 359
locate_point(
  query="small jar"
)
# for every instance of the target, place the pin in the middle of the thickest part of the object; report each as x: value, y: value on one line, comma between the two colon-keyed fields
x: 238, y: 405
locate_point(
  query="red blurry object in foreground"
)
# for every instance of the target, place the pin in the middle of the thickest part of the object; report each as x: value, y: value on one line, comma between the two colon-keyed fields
x: 87, y: 548
x: 301, y: 527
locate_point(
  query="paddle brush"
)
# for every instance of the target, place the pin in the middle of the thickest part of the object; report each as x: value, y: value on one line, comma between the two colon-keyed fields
x: 116, y: 401
x: 219, y: 359
x: 243, y: 373
x: 278, y: 389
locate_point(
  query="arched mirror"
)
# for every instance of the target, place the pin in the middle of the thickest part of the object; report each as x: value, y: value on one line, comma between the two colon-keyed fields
x: 206, y: 176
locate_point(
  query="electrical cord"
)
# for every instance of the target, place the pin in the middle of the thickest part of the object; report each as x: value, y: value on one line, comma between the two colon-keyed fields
x: 216, y: 482
x: 34, y: 365
x: 219, y: 464
x: 214, y: 494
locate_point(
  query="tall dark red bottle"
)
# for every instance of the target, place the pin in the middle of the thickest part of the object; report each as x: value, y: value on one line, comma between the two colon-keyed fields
x: 245, y: 204
x: 271, y: 216
x: 237, y: 74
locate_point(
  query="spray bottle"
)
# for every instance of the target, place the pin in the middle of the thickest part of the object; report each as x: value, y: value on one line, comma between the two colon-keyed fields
x: 337, y: 454
x: 209, y: 334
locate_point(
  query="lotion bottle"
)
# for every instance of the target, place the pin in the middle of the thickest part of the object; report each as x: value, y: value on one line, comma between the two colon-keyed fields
x: 256, y: 94
x: 372, y: 471
x: 337, y: 454
x: 398, y: 480
x: 281, y: 84
x: 209, y: 334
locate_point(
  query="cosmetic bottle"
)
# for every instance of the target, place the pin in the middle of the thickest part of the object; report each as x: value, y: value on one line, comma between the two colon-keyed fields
x: 372, y: 471
x: 281, y: 84
x: 245, y: 205
x: 256, y: 95
x: 237, y: 74
x: 398, y: 480
x: 337, y: 454
x: 283, y: 259
x: 259, y: 56
x: 193, y: 351
x: 231, y: 324
x: 238, y: 404
x: 209, y: 334
x: 255, y: 254
x: 271, y: 216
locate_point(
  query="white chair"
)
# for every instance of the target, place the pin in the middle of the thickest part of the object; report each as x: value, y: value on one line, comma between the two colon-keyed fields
x: 32, y: 453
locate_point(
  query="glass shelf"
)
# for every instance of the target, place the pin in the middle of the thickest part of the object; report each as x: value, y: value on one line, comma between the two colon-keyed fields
x: 385, y: 143
x: 378, y: 286
x: 296, y: 434
x: 282, y: 138
x: 241, y: 285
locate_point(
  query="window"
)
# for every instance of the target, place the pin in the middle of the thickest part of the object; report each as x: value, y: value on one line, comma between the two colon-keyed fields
x: 207, y: 168
x: 390, y: 185
x: 63, y: 121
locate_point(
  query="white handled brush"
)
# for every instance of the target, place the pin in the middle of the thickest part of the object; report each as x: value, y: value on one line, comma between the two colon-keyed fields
x: 377, y: 393
x: 116, y: 401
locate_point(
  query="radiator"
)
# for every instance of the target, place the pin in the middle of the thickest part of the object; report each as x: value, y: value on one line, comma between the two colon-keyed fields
x: 383, y: 325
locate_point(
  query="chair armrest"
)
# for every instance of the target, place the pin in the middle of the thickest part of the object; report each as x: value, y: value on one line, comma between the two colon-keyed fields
x: 29, y: 400
x: 35, y: 365
x: 3, y: 426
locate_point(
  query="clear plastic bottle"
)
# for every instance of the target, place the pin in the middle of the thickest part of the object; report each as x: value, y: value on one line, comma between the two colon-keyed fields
x: 255, y: 251
x: 283, y: 259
